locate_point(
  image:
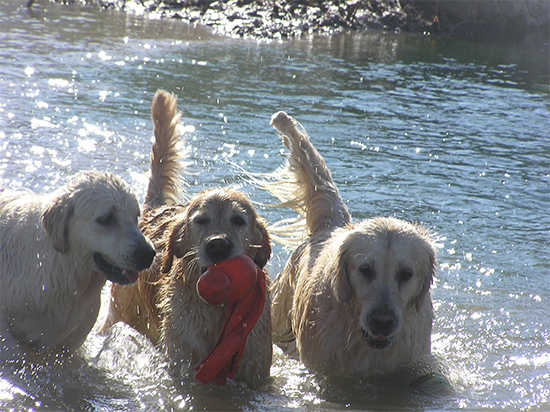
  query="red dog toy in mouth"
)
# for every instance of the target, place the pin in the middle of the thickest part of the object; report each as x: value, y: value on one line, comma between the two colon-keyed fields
x: 240, y: 283
x: 228, y: 280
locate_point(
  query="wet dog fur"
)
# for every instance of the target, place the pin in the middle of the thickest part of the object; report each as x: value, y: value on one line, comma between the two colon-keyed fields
x: 354, y: 298
x: 56, y: 252
x: 215, y: 225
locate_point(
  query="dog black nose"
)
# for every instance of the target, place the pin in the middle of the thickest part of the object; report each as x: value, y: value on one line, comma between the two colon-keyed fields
x: 218, y: 248
x: 382, y: 322
x: 145, y: 255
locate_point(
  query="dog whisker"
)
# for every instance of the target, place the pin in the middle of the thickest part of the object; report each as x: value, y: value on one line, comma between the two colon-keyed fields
x: 193, y: 265
x: 354, y: 326
x: 193, y: 254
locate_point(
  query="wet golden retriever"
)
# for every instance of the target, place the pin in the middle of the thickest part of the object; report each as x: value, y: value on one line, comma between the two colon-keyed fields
x: 215, y: 225
x: 354, y: 298
x: 56, y: 252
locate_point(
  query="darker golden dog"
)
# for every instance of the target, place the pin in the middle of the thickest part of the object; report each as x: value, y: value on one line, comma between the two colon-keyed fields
x: 215, y: 225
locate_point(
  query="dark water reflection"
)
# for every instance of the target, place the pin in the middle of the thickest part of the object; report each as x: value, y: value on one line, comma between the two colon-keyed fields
x: 445, y: 132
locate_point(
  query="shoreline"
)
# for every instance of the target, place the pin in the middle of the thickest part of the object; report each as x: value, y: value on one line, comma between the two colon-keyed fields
x: 520, y: 20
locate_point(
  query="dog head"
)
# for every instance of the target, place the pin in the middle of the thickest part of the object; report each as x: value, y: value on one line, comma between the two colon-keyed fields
x: 218, y: 224
x: 95, y: 220
x: 385, y: 266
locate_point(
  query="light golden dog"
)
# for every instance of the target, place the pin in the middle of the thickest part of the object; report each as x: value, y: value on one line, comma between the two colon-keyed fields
x: 354, y: 298
x: 215, y: 225
x: 56, y: 252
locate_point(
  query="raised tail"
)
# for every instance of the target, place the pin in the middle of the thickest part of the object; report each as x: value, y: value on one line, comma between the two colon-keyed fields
x: 165, y: 183
x: 305, y: 183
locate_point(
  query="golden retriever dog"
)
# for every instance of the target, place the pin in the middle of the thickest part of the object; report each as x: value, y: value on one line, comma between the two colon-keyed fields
x: 56, y: 252
x: 215, y: 225
x: 354, y: 298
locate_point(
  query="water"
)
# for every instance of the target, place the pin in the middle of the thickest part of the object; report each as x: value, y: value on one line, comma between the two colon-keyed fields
x: 445, y: 132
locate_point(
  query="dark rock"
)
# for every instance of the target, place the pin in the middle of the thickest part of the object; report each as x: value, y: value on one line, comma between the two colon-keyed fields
x: 508, y: 19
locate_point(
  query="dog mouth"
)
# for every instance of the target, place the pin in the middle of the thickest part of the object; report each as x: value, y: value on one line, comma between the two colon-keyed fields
x: 376, y: 342
x: 114, y: 273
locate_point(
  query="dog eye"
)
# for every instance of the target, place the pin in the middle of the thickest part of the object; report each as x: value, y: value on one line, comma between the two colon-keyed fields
x: 201, y: 220
x: 107, y: 220
x: 367, y: 271
x: 404, y: 275
x: 238, y: 221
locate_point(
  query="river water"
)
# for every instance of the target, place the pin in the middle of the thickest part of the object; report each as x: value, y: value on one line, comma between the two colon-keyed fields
x: 449, y: 133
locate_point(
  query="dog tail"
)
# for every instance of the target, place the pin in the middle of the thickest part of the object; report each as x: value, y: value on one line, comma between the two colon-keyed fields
x: 305, y: 183
x: 165, y: 183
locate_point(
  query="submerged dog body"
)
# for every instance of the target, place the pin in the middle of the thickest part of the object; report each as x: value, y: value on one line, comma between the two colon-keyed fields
x: 353, y: 298
x: 215, y: 225
x: 56, y: 252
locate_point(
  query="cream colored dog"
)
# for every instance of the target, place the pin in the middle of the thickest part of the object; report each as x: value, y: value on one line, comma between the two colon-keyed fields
x: 56, y: 252
x: 353, y: 298
x: 215, y: 225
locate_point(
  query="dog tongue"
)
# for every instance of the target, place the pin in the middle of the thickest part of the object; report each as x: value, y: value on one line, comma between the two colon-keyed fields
x: 241, y: 283
x: 130, y: 275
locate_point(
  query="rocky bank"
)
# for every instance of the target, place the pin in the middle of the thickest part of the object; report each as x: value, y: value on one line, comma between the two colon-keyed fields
x: 503, y: 19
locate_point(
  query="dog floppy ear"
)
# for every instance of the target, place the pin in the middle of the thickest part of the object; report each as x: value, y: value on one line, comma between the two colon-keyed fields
x: 55, y: 219
x: 175, y: 244
x: 338, y: 272
x: 428, y: 277
x: 261, y: 244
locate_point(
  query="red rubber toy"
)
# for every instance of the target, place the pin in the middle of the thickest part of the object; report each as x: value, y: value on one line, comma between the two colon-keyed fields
x: 242, y: 284
x: 227, y: 281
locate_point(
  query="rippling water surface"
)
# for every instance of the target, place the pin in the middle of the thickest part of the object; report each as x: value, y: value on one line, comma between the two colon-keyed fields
x: 452, y: 134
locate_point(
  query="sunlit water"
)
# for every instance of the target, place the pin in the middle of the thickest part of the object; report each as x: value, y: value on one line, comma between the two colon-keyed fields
x: 447, y: 133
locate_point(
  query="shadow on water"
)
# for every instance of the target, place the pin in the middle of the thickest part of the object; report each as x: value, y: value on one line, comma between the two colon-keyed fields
x: 64, y: 384
x: 421, y: 386
x: 125, y: 372
x: 119, y: 372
